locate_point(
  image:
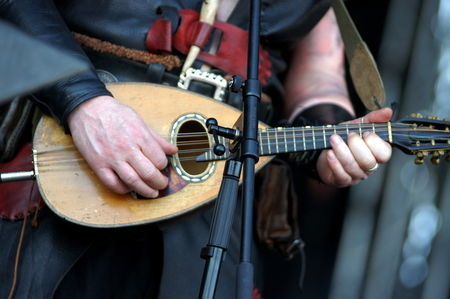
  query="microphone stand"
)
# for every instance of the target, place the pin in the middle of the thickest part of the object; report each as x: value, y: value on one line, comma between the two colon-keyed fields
x: 246, y: 153
x: 249, y: 154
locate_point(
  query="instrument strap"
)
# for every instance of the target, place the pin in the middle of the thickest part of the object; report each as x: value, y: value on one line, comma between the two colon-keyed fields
x: 363, y: 69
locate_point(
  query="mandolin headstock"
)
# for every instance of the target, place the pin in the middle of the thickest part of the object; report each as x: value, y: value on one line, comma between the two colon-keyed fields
x: 424, y: 137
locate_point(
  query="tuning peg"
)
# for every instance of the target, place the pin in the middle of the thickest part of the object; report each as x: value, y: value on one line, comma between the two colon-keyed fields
x: 416, y: 115
x: 432, y: 117
x: 446, y: 119
x: 435, y: 159
x: 420, y: 158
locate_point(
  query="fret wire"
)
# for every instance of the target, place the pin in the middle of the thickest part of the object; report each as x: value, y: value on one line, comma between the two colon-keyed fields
x: 345, y: 127
x: 314, y: 138
x: 260, y: 142
x: 394, y: 133
x: 304, y: 142
x: 268, y: 143
x: 285, y: 141
x: 324, y: 137
x: 355, y: 126
x: 389, y: 131
x: 360, y: 131
x: 372, y: 126
x: 295, y: 141
x: 276, y: 140
x: 396, y: 130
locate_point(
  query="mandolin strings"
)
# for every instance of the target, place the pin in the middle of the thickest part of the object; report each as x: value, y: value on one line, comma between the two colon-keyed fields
x: 56, y: 155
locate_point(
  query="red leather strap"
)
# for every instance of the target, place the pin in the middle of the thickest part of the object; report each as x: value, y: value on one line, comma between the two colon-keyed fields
x: 18, y: 199
x: 200, y: 34
x: 159, y: 37
x: 231, y: 56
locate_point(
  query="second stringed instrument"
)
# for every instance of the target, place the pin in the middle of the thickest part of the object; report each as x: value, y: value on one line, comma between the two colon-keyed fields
x: 71, y: 190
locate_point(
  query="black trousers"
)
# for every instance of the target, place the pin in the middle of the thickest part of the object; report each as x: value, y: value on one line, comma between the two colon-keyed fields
x: 63, y: 260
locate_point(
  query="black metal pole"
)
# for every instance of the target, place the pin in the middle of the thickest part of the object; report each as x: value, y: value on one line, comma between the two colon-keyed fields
x: 215, y: 250
x: 221, y: 224
x: 249, y: 153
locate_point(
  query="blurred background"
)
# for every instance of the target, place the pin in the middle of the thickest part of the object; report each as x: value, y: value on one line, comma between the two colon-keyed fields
x: 389, y: 237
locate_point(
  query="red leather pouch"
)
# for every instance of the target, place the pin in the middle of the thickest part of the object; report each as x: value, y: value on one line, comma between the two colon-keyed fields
x: 21, y: 198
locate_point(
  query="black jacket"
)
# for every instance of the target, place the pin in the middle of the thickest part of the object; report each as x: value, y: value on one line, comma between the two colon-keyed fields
x: 127, y: 22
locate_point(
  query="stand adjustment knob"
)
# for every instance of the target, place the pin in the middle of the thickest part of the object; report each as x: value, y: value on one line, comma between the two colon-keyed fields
x: 236, y: 83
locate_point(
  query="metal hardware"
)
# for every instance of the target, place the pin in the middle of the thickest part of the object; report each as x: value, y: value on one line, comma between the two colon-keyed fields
x: 16, y: 176
x: 213, y: 79
x: 236, y: 83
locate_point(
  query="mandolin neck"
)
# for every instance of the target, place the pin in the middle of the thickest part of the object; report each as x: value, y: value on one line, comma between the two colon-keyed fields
x: 286, y: 140
x: 433, y: 136
x: 296, y: 139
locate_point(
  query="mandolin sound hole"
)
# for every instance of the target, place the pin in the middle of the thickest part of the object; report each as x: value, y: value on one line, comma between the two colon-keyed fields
x: 192, y: 140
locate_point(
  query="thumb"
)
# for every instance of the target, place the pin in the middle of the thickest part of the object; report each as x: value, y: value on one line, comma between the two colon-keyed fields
x: 377, y: 116
x: 381, y: 115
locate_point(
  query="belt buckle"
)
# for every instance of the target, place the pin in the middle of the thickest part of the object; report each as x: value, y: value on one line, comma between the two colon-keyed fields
x: 213, y: 79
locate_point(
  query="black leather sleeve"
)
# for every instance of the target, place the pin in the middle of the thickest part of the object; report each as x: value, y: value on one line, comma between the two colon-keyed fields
x: 317, y: 115
x: 41, y: 19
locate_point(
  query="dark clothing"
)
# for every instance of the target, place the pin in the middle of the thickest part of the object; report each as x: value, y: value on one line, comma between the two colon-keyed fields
x: 125, y: 258
x: 42, y: 20
x: 67, y: 261
x: 127, y: 22
x: 63, y: 260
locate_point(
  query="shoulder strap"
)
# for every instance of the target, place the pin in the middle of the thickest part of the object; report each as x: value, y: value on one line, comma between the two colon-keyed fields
x: 363, y: 69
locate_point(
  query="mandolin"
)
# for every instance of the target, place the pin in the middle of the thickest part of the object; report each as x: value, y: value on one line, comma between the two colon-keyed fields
x: 71, y: 190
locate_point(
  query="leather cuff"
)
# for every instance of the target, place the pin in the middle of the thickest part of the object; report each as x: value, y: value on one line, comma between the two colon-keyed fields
x: 317, y: 115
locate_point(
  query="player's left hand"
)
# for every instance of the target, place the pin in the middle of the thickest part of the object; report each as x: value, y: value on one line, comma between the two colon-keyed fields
x: 348, y: 164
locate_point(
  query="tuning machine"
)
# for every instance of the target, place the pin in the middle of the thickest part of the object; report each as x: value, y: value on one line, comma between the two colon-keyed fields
x: 416, y: 115
x: 435, y: 159
x: 420, y: 158
x: 447, y: 128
